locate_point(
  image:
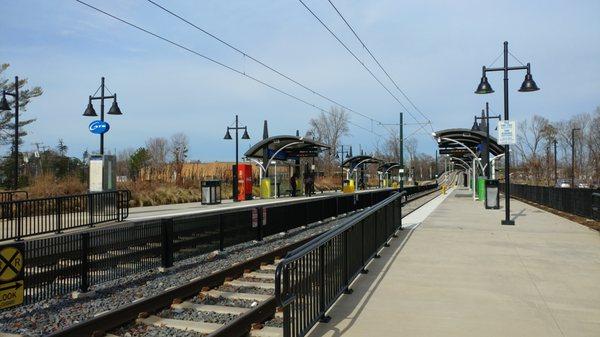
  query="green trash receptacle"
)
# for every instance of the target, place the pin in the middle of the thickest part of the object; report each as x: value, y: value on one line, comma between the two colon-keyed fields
x: 481, y: 188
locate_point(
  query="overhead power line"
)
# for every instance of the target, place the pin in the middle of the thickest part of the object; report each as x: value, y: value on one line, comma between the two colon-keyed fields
x: 357, y: 59
x: 377, y: 61
x: 271, y: 68
x: 176, y: 44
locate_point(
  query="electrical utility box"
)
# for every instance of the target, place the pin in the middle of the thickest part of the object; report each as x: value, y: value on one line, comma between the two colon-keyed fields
x: 103, y: 173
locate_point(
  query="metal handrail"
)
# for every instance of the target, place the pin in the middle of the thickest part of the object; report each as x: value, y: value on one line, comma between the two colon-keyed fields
x: 322, y: 239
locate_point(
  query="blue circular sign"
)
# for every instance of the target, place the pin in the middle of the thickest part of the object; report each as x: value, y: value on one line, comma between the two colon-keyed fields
x: 99, y: 127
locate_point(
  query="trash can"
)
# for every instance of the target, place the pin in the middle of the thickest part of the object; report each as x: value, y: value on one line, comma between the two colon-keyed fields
x: 265, y: 188
x: 211, y: 192
x: 492, y: 194
x: 348, y: 186
x: 481, y: 188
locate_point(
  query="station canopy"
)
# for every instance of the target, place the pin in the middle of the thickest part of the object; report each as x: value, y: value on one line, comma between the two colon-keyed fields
x: 286, y: 147
x: 385, y: 167
x: 473, y: 139
x: 354, y: 161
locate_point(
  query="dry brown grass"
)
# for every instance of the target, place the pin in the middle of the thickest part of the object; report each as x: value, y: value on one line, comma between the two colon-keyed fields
x: 47, y: 185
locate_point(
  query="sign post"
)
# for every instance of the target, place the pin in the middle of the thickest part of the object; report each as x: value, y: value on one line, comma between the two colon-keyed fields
x: 11, y: 275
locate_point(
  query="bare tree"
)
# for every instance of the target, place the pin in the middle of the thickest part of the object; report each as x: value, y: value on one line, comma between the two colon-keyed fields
x: 158, y: 148
x: 179, y: 151
x: 410, y: 145
x: 329, y: 128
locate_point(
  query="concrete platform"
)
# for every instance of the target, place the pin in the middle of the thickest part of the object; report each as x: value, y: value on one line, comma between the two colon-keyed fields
x: 458, y: 272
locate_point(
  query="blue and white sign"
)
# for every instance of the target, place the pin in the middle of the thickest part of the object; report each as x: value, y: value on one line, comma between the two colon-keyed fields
x: 99, y: 127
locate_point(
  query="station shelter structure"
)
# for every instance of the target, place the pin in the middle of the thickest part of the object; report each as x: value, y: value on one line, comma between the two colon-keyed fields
x: 466, y: 151
x: 386, y: 176
x: 355, y: 169
x: 284, y: 151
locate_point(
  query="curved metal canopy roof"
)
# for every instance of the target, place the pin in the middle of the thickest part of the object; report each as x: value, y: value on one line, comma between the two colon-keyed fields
x: 472, y: 139
x: 386, y: 166
x: 286, y: 147
x: 352, y: 162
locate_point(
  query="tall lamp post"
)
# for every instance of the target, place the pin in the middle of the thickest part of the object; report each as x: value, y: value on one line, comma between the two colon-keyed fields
x: 555, y: 164
x: 573, y: 156
x: 244, y: 136
x: 114, y: 109
x: 484, y: 87
x: 485, y: 116
x: 6, y: 107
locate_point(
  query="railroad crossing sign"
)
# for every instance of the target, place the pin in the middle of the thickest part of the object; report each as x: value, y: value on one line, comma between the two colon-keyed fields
x: 11, y: 275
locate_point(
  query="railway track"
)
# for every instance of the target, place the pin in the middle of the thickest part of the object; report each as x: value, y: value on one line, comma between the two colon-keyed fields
x: 236, y: 301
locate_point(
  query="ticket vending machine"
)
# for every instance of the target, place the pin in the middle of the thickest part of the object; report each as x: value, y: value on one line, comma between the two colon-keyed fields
x: 103, y: 175
x: 244, y: 182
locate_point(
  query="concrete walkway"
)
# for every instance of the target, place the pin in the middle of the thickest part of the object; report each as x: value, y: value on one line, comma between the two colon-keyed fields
x: 460, y: 273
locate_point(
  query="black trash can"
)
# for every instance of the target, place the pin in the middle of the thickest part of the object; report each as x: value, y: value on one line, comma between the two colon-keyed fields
x: 211, y: 192
x: 492, y: 194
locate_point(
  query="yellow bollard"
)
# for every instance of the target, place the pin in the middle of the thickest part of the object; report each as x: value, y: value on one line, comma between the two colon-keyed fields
x: 443, y: 189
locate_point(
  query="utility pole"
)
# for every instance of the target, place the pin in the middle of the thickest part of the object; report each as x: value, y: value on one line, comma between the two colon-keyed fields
x: 555, y: 165
x: 401, y: 144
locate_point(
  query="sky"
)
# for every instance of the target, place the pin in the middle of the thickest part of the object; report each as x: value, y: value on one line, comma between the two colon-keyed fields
x: 434, y: 50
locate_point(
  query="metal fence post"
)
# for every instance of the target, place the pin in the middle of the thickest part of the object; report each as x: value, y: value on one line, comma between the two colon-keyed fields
x: 259, y: 220
x: 221, y: 233
x: 167, y: 242
x: 347, y: 264
x: 58, y: 215
x: 19, y: 220
x: 323, y: 306
x: 91, y: 208
x: 84, y: 259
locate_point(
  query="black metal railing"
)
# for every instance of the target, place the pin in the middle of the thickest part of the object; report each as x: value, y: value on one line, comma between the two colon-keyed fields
x: 59, y: 264
x: 310, y: 278
x: 13, y: 195
x: 596, y: 206
x: 29, y: 217
x: 577, y: 201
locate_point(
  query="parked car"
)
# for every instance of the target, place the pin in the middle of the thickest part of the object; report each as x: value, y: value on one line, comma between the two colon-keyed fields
x: 563, y: 183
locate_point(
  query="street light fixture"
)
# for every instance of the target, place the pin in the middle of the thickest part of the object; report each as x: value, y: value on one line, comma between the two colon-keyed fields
x: 485, y: 117
x: 484, y: 87
x: 4, y: 106
x: 228, y: 137
x: 91, y: 112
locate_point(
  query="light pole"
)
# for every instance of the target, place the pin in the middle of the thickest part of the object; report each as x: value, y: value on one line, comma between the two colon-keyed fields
x: 484, y: 87
x: 114, y: 109
x: 235, y: 169
x: 573, y: 156
x: 485, y: 116
x: 6, y: 107
x: 555, y: 165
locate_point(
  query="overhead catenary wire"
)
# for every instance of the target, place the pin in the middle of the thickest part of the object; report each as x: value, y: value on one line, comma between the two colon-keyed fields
x: 271, y: 68
x: 357, y: 58
x: 281, y: 91
x: 377, y: 62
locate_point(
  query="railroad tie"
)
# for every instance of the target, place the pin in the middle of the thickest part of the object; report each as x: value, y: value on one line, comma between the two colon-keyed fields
x: 238, y: 296
x: 219, y: 309
x: 201, y: 327
x: 268, y: 267
x: 266, y: 276
x: 267, y: 331
x: 238, y: 283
